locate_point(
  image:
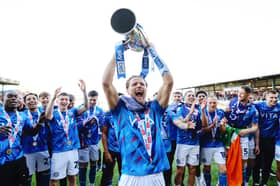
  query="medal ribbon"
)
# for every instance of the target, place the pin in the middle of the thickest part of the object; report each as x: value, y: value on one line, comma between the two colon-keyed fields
x: 214, y: 129
x: 32, y: 122
x: 89, y: 116
x: 15, y: 129
x: 65, y: 122
x: 145, y: 130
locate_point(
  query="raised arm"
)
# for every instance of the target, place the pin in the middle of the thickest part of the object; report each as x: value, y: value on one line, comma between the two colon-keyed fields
x: 85, y: 106
x: 189, y: 115
x: 166, y: 88
x: 204, y: 119
x: 107, y: 83
x: 49, y: 109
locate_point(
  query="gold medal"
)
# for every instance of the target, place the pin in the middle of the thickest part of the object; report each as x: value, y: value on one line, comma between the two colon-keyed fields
x: 69, y: 142
x: 34, y: 143
x: 9, y: 151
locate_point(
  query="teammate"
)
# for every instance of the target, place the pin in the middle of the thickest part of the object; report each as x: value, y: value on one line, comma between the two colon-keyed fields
x: 169, y: 133
x: 13, y: 126
x: 189, y: 121
x: 111, y: 150
x: 44, y: 99
x: 253, y: 146
x: 269, y: 112
x: 243, y: 115
x: 65, y: 139
x: 89, y: 138
x: 211, y: 144
x: 201, y: 97
x: 21, y: 106
x: 35, y: 147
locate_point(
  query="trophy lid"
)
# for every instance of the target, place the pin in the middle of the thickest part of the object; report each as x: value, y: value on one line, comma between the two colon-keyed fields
x: 123, y: 20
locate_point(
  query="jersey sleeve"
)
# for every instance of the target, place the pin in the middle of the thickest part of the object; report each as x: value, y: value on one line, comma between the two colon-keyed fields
x: 176, y: 113
x: 255, y: 117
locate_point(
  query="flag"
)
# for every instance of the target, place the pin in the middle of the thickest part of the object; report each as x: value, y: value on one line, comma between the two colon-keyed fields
x: 234, y: 158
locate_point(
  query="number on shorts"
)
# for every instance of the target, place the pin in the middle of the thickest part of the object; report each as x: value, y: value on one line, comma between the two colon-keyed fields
x: 46, y: 161
x: 76, y: 164
x: 223, y: 155
x: 245, y: 151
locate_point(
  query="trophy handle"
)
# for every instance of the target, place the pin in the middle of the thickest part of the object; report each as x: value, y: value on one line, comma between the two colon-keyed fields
x: 144, y: 36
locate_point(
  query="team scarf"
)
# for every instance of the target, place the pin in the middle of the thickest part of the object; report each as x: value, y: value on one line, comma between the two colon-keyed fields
x: 132, y: 105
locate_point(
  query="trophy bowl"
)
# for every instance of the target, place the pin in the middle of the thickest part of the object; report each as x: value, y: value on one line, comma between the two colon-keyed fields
x: 123, y: 21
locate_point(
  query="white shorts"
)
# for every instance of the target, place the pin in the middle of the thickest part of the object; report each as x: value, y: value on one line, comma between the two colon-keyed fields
x: 252, y: 154
x: 152, y: 179
x: 37, y: 162
x: 187, y: 154
x: 217, y: 153
x: 277, y: 153
x: 64, y: 163
x: 90, y: 153
x: 244, y: 143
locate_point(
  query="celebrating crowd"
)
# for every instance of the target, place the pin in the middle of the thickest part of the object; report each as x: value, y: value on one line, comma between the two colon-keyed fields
x: 55, y: 139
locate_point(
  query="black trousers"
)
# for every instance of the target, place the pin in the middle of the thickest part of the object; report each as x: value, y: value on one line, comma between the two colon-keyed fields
x: 264, y: 160
x: 14, y: 173
x: 108, y: 168
x: 170, y: 155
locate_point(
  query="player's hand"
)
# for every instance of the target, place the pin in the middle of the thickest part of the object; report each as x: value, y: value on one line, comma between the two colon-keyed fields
x: 193, y: 107
x: 82, y: 85
x: 57, y: 91
x: 108, y: 157
x: 214, y: 122
x: 190, y: 125
x: 257, y: 150
x: 93, y: 121
x: 223, y: 125
x: 42, y: 118
x: 203, y: 104
x: 5, y: 130
x: 243, y: 132
x: 228, y: 109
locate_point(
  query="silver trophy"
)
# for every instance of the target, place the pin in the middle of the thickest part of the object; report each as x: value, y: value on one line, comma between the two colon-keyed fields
x: 123, y: 21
